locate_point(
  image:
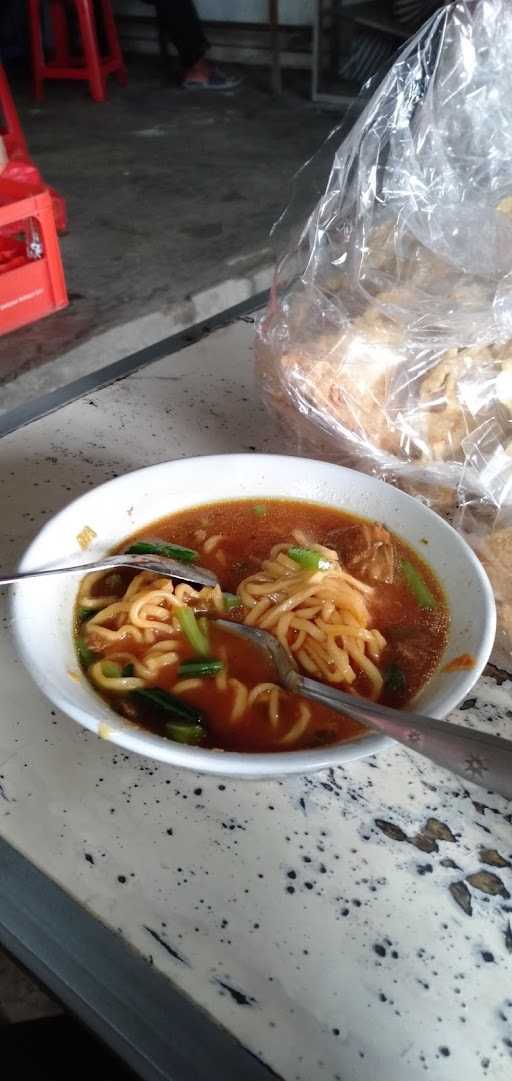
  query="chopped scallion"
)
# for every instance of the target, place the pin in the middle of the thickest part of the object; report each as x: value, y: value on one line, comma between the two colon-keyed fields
x: 417, y: 586
x: 394, y: 678
x: 169, y: 703
x: 308, y: 558
x: 85, y: 654
x: 192, y: 630
x: 209, y: 667
x: 163, y: 548
x: 85, y: 613
x: 231, y: 601
x: 128, y: 670
x: 259, y: 510
x: 111, y: 670
x: 184, y: 733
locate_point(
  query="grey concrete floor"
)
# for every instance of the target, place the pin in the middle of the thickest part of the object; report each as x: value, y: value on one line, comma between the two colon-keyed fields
x: 171, y: 196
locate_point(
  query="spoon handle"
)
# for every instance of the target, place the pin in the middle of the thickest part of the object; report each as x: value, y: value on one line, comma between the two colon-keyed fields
x: 163, y: 565
x: 80, y: 568
x: 485, y: 760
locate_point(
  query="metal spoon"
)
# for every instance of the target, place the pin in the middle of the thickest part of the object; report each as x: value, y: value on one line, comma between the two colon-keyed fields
x: 168, y: 568
x: 483, y: 759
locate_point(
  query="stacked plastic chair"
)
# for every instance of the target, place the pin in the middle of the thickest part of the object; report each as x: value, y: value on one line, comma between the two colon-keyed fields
x: 32, y: 282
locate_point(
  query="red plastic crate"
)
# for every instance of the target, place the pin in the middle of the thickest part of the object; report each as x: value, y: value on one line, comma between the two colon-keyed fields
x: 32, y: 282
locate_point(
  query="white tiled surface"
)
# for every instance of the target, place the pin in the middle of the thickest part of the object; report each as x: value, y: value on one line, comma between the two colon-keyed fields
x: 306, y: 915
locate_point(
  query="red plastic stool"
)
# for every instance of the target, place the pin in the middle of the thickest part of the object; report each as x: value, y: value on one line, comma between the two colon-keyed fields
x: 11, y: 129
x: 32, y: 280
x: 20, y: 166
x: 91, y: 66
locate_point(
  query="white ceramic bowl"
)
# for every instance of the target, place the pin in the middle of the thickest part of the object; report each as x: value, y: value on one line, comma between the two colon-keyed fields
x: 43, y: 609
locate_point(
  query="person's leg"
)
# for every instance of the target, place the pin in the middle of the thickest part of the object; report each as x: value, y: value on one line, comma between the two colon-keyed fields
x: 180, y: 21
x: 183, y: 26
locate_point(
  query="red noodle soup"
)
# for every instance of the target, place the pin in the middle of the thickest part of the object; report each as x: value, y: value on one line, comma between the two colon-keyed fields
x: 353, y: 604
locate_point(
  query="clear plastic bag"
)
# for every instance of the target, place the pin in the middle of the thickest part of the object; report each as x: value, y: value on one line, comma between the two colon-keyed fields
x: 388, y: 339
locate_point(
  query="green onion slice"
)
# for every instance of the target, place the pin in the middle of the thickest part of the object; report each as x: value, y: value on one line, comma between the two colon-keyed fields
x: 417, y: 586
x: 163, y: 548
x: 308, y: 558
x: 209, y: 667
x: 191, y: 629
x: 85, y: 613
x: 111, y: 670
x: 85, y: 654
x: 394, y: 678
x: 169, y: 703
x: 184, y: 733
x: 231, y: 601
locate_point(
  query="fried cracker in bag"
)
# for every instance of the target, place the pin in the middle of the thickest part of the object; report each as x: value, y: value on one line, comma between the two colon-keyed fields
x: 387, y: 343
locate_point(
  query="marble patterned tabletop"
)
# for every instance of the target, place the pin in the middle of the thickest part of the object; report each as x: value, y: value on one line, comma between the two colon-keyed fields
x: 344, y: 926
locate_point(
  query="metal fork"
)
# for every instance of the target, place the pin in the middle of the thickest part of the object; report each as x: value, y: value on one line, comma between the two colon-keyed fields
x: 485, y: 760
x: 168, y: 568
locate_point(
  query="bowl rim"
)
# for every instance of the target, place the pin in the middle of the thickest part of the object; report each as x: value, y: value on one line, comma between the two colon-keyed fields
x: 260, y: 764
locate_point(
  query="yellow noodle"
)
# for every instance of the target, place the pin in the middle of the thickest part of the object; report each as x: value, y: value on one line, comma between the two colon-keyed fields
x: 184, y: 593
x: 108, y: 635
x: 240, y: 701
x: 136, y: 583
x: 260, y: 589
x: 155, y: 663
x: 259, y: 690
x: 299, y: 727
x: 307, y: 662
x: 376, y: 644
x: 282, y: 629
x: 94, y: 603
x: 186, y: 685
x: 309, y: 627
x: 308, y: 613
x: 328, y: 609
x: 257, y: 611
x: 370, y: 669
x: 212, y: 597
x: 270, y: 618
x: 273, y: 707
x: 90, y: 580
x: 212, y: 543
x: 140, y: 669
x: 328, y: 553
x: 285, y: 561
x: 117, y: 684
x: 297, y: 644
x: 151, y: 604
x: 335, y: 630
x: 221, y: 680
x: 300, y: 537
x: 163, y: 646
x: 340, y: 659
x: 109, y: 612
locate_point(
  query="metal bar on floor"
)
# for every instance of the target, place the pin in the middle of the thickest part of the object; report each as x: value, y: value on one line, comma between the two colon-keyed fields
x: 152, y: 1026
x: 88, y: 384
